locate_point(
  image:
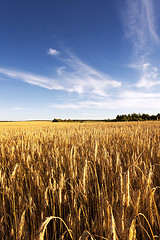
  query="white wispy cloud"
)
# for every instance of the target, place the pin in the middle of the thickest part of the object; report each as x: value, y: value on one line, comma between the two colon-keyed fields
x: 33, y: 79
x: 140, y: 26
x: 150, y: 76
x: 53, y: 52
x: 60, y: 70
x: 74, y: 76
x: 84, y: 78
x: 127, y: 99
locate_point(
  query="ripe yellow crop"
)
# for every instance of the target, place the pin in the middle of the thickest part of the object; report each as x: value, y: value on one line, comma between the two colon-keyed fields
x: 79, y: 180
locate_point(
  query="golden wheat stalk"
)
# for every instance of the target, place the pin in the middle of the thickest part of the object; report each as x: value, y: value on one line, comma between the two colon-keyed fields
x: 21, y: 225
x: 132, y: 230
x: 46, y: 222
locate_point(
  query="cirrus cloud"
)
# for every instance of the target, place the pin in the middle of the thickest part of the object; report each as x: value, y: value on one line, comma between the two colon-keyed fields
x: 74, y: 76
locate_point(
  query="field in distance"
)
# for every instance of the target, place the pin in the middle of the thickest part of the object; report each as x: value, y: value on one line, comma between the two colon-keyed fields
x: 79, y: 180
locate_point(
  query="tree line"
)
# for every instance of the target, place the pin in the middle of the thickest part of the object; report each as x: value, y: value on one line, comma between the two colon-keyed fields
x: 119, y: 118
x: 77, y: 120
x: 137, y: 117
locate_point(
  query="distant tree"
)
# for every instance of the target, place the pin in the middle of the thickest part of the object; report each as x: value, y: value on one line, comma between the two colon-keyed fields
x: 145, y: 117
x: 158, y: 116
x: 153, y: 117
x: 54, y: 120
x: 57, y: 120
x: 118, y: 118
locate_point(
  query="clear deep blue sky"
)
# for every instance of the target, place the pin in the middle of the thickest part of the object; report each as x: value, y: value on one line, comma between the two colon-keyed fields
x: 79, y: 59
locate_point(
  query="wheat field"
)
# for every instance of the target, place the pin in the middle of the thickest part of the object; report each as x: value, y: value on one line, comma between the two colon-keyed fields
x: 79, y: 181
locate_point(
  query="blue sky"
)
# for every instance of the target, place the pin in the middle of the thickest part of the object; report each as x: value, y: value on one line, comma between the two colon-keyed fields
x: 79, y: 59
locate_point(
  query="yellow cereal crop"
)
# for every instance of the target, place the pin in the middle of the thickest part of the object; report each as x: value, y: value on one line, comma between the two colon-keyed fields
x: 79, y: 180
